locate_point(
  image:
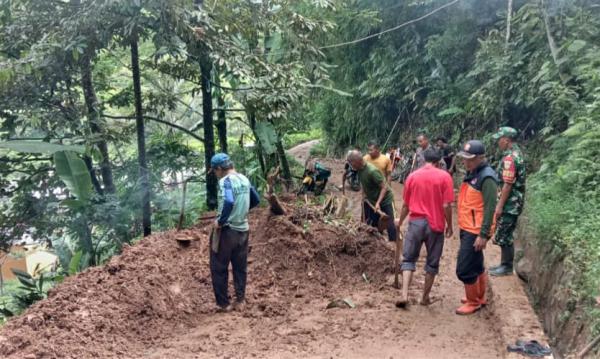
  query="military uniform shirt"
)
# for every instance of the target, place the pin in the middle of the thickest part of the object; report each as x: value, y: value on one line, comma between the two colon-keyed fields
x: 512, y: 170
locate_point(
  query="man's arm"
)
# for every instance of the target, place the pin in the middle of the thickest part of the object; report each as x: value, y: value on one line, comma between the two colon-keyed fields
x: 490, y: 193
x: 448, y: 216
x: 448, y: 200
x: 254, y: 197
x: 406, y: 194
x: 509, y: 177
x: 388, y: 170
x: 228, y: 202
x: 504, y: 194
x: 403, y: 214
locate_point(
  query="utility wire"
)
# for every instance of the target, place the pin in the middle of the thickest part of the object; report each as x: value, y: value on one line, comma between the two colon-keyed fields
x: 390, y: 29
x: 356, y: 41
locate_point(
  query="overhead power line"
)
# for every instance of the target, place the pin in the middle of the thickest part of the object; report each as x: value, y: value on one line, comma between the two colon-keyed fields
x: 356, y: 41
x: 390, y: 29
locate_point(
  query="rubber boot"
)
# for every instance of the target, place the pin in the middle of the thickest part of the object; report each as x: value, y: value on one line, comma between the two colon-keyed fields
x: 482, y: 280
x: 472, y: 305
x: 464, y: 299
x: 506, y: 265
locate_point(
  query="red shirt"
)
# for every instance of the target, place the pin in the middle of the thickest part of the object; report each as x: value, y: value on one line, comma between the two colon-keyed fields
x: 425, y: 193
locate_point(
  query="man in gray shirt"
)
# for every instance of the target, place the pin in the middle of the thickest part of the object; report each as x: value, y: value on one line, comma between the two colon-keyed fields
x: 419, y: 159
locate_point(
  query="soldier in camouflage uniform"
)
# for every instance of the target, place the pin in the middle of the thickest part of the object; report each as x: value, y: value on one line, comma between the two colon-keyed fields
x: 511, y: 172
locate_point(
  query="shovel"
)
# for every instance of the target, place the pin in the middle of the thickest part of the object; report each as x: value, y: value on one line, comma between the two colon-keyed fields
x: 384, y: 219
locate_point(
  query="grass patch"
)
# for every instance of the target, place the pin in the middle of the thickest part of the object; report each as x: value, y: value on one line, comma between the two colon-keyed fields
x: 568, y: 219
x: 319, y: 150
x: 293, y: 139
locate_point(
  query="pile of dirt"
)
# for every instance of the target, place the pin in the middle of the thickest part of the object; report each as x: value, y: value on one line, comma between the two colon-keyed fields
x: 157, y: 287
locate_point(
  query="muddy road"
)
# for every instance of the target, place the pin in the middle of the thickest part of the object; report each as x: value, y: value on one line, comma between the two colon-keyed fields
x: 156, y: 300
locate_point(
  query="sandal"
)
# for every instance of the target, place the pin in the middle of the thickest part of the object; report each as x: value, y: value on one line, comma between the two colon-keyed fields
x: 531, y: 348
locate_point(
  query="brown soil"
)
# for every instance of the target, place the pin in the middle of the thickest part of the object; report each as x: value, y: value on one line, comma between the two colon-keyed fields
x: 156, y: 301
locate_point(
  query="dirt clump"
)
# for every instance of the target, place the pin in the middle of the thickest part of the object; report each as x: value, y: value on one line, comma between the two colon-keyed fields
x: 157, y: 287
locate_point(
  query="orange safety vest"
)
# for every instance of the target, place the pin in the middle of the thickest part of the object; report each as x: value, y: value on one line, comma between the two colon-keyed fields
x: 470, y: 200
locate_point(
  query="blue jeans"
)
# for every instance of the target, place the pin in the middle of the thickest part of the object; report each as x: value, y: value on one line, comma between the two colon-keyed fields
x: 233, y: 247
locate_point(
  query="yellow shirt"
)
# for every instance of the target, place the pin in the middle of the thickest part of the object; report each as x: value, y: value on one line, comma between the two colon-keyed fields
x: 383, y: 163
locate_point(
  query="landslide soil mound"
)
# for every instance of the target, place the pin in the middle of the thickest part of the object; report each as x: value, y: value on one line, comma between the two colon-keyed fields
x: 156, y: 287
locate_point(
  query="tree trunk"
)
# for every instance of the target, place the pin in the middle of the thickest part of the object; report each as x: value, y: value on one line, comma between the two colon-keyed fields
x: 508, y: 20
x: 222, y: 128
x: 91, y: 102
x: 209, y: 133
x: 141, y: 139
x: 552, y: 44
x: 285, y: 165
x: 95, y: 182
x: 259, y: 154
x: 221, y: 120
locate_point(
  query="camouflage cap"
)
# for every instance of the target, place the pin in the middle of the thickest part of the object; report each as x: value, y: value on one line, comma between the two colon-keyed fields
x: 505, y: 132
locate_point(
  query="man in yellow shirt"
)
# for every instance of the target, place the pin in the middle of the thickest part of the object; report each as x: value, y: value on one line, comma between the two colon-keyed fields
x: 383, y: 163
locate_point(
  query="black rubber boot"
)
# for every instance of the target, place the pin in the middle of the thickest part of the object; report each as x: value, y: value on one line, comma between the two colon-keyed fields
x: 506, y: 263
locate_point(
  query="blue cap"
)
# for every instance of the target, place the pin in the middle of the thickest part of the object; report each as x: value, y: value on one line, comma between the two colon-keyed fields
x: 220, y: 160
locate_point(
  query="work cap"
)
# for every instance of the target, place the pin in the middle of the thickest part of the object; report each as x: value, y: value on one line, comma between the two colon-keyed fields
x: 505, y: 132
x: 472, y: 149
x: 219, y: 160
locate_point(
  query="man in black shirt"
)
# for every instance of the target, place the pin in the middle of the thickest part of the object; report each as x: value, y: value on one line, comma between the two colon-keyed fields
x: 447, y: 154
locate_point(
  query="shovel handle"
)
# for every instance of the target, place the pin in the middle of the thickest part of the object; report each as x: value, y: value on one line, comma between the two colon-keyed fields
x: 378, y: 211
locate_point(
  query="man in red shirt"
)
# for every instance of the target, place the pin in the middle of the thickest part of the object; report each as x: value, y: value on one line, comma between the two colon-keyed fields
x: 428, y: 197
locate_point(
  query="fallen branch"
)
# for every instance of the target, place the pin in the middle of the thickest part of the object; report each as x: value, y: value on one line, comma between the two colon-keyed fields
x: 588, y: 348
x: 275, y: 205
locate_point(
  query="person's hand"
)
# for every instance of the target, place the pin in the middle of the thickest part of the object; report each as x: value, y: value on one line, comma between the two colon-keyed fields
x: 377, y: 207
x: 449, y: 232
x: 480, y: 244
x: 498, y: 212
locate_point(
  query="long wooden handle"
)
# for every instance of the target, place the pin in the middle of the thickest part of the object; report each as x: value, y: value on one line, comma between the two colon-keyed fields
x: 397, y: 263
x: 399, y: 242
x: 378, y: 211
x: 589, y: 347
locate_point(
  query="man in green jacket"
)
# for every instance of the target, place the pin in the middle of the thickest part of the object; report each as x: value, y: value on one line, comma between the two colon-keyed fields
x: 376, y: 191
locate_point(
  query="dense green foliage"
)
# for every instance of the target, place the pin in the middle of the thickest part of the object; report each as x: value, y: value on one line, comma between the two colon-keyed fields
x: 68, y: 76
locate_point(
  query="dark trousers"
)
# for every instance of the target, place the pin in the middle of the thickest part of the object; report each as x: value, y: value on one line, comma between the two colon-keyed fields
x: 233, y: 247
x: 420, y: 233
x: 373, y: 219
x: 470, y: 263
